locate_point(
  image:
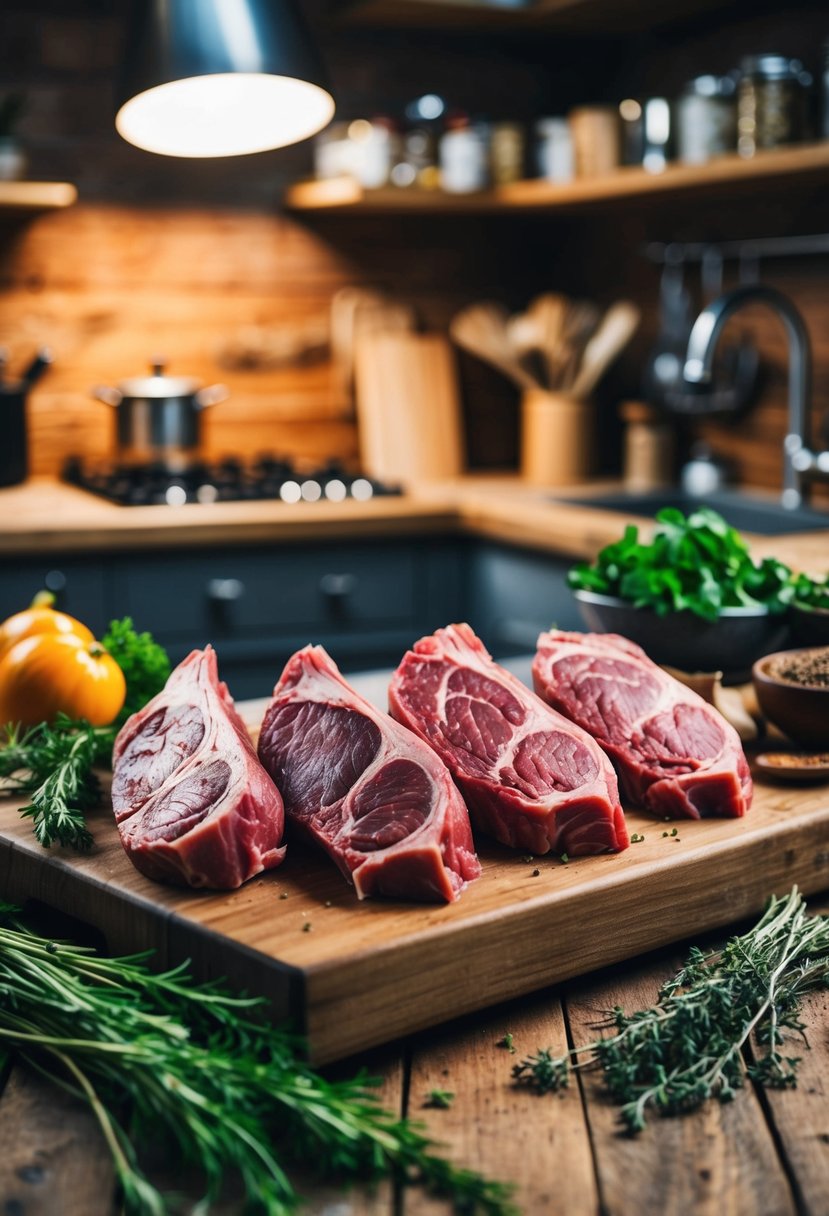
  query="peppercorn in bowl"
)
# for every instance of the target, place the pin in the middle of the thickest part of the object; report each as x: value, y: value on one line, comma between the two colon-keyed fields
x: 792, y: 688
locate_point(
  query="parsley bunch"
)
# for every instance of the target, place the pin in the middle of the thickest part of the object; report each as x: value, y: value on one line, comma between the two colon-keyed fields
x: 162, y: 1060
x: 698, y: 564
x: 812, y: 592
x: 688, y: 1047
x: 54, y: 762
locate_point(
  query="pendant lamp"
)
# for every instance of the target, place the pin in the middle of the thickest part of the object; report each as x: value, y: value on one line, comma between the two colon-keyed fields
x: 219, y: 78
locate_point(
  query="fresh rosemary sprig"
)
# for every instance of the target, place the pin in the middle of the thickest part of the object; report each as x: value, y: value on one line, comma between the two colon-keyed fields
x: 688, y: 1047
x: 160, y: 1058
x: 55, y: 762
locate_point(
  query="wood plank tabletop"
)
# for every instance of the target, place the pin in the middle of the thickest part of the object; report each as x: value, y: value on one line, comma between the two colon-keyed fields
x: 764, y: 1154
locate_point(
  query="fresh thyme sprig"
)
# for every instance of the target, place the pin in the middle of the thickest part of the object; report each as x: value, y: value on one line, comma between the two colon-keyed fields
x: 158, y: 1057
x: 688, y: 1047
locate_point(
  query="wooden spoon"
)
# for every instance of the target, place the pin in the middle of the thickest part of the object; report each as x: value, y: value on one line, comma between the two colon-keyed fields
x: 482, y: 329
x: 615, y: 331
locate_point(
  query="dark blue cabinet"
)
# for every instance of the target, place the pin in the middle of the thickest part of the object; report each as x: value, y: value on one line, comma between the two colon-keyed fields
x: 366, y: 601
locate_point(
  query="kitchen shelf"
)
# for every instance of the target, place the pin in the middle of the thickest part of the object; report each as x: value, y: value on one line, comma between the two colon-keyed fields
x: 716, y: 176
x: 36, y: 196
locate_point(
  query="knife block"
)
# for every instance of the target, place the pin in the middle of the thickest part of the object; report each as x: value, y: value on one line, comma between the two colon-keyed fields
x: 557, y: 438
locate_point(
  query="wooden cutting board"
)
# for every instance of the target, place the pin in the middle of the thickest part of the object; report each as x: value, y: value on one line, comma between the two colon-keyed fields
x: 352, y: 975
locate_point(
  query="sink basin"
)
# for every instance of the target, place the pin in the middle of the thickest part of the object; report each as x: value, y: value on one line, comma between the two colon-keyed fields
x: 742, y: 511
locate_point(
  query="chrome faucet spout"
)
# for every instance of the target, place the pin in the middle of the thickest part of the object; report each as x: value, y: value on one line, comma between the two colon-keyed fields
x: 798, y: 461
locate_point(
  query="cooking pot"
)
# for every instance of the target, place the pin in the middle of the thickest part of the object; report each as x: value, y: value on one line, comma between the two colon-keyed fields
x: 158, y: 417
x: 14, y: 448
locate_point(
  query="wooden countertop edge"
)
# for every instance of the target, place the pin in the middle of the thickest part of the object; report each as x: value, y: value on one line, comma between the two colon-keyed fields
x: 45, y: 516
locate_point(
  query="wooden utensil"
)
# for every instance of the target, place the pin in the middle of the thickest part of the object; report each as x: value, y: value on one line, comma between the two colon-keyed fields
x: 408, y: 406
x: 549, y: 313
x: 613, y: 334
x: 353, y: 310
x: 483, y: 330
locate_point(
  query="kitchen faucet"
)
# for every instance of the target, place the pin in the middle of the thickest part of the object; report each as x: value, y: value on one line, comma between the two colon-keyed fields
x: 800, y: 463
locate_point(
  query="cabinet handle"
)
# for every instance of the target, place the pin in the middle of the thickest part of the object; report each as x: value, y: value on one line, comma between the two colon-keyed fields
x: 338, y: 587
x: 222, y: 591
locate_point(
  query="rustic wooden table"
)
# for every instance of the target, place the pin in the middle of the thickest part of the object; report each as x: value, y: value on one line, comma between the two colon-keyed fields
x: 764, y: 1154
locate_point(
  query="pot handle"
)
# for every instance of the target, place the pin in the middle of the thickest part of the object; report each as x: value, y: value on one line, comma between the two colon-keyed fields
x: 213, y: 395
x: 109, y: 396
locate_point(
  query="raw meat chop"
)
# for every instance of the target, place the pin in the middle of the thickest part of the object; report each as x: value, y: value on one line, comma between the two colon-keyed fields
x: 675, y: 754
x: 530, y: 777
x: 193, y: 804
x: 366, y: 789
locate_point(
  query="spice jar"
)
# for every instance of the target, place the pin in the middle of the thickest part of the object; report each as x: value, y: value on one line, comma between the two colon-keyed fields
x: 597, y: 139
x: 464, y: 156
x: 554, y: 150
x: 706, y: 119
x: 506, y: 153
x: 771, y: 103
x: 648, y: 448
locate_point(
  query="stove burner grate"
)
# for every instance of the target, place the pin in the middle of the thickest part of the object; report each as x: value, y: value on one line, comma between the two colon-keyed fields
x: 230, y: 480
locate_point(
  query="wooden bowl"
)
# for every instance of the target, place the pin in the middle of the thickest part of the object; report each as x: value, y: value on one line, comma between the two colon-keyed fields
x: 801, y: 711
x: 684, y: 640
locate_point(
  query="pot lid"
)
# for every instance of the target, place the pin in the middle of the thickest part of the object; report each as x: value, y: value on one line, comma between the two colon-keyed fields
x: 158, y: 385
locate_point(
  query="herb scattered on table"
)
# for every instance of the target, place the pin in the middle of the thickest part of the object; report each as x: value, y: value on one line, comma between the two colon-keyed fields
x: 54, y: 763
x: 162, y: 1060
x: 637, y: 838
x: 688, y: 1047
x: 440, y: 1099
x: 698, y: 564
x: 506, y: 1041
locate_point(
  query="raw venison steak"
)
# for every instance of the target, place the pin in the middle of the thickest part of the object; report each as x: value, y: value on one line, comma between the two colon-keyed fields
x: 531, y: 778
x: 675, y: 754
x: 193, y: 804
x: 366, y: 789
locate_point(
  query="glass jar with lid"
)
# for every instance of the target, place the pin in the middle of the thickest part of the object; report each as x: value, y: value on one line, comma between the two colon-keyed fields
x: 772, y: 103
x: 706, y: 119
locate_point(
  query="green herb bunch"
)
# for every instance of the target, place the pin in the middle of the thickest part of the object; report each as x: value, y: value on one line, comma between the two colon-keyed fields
x: 689, y: 1046
x: 162, y: 1060
x: 812, y: 592
x: 55, y: 762
x: 698, y: 564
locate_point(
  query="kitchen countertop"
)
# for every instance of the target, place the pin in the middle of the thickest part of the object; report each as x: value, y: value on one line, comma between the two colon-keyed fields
x: 47, y: 516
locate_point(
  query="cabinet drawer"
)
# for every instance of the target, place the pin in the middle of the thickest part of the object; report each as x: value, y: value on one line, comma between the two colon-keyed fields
x: 78, y: 586
x: 247, y: 593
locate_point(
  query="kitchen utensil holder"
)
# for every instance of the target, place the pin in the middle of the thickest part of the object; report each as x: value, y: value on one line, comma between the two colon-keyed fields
x: 557, y: 434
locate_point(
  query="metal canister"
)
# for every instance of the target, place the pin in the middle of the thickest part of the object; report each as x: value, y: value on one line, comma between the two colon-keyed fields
x: 706, y: 119
x: 771, y: 103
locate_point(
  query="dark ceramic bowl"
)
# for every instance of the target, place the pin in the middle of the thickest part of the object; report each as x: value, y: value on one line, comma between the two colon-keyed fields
x: 730, y: 644
x: 800, y: 711
x: 809, y: 626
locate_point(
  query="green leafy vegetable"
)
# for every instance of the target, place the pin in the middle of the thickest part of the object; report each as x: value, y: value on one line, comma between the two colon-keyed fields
x: 145, y: 664
x: 163, y: 1060
x: 689, y: 1046
x: 696, y: 564
x: 55, y: 762
x: 812, y: 592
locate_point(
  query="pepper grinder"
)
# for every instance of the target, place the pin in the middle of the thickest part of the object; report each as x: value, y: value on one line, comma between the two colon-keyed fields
x: 648, y: 448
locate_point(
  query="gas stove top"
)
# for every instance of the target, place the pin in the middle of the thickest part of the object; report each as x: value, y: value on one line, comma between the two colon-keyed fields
x: 228, y: 480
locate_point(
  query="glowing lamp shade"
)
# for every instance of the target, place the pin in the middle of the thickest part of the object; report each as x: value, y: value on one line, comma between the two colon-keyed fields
x: 220, y: 78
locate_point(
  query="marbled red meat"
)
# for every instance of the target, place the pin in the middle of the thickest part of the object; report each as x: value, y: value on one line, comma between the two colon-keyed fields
x: 377, y: 799
x: 674, y: 753
x: 530, y: 777
x: 193, y: 804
